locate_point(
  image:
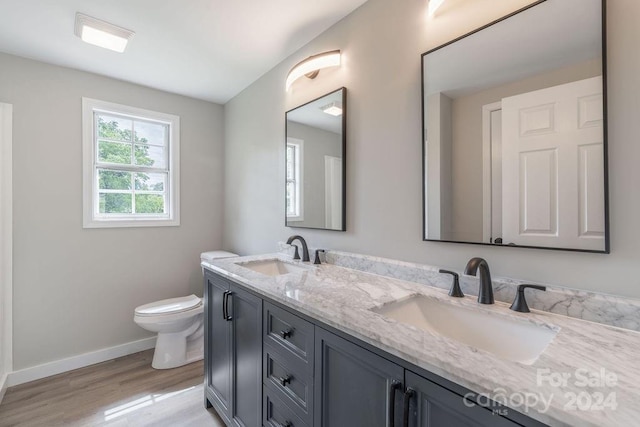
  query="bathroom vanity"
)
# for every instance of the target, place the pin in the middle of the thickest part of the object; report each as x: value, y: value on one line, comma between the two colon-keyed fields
x: 292, y: 344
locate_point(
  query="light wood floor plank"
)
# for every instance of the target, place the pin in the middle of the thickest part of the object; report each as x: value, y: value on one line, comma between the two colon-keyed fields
x: 124, y: 392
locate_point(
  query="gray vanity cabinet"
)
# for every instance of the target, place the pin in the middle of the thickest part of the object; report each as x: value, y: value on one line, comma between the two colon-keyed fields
x: 271, y: 366
x: 233, y: 345
x: 355, y: 387
x: 287, y: 370
x: 352, y: 385
x: 217, y: 346
x: 433, y: 406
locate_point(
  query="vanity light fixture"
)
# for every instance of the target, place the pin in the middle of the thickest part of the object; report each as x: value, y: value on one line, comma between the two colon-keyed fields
x: 311, y: 66
x: 334, y: 109
x: 434, y: 5
x: 101, y: 33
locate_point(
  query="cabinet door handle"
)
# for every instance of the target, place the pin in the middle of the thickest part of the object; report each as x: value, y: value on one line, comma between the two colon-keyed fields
x: 286, y: 424
x: 224, y: 305
x: 395, y: 384
x: 286, y: 333
x: 285, y: 380
x: 228, y: 316
x: 407, y: 399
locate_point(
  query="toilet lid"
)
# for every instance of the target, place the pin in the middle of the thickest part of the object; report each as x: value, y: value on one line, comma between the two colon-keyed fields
x: 169, y: 306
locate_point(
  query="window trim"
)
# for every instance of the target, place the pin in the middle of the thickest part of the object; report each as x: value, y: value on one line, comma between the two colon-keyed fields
x: 91, y: 218
x: 299, y: 144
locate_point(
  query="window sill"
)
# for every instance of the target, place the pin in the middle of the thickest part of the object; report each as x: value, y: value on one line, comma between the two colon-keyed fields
x: 130, y: 223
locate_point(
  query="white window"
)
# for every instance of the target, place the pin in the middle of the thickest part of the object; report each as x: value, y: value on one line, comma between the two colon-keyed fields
x: 130, y: 166
x: 294, y: 180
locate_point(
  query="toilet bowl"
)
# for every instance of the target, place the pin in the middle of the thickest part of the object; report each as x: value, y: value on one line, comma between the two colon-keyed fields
x: 179, y: 325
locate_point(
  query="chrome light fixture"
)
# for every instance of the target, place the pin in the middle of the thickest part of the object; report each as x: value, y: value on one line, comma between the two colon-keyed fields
x: 101, y: 33
x: 311, y: 66
x: 334, y: 109
x: 434, y: 5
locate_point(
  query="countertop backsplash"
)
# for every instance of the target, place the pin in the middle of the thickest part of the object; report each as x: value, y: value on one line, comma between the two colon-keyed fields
x: 591, y: 306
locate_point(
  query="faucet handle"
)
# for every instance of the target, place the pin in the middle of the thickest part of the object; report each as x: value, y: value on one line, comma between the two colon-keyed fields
x: 520, y: 303
x: 296, y: 254
x: 317, y: 260
x: 455, y: 290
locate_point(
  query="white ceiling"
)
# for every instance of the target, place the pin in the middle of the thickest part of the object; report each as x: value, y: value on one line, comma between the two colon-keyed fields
x: 311, y: 114
x: 207, y: 49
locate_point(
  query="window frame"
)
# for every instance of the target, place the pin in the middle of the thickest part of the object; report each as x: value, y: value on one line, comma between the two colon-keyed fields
x: 91, y: 215
x: 298, y: 180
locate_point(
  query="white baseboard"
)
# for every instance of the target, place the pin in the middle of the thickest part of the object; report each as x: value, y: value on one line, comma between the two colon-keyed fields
x: 59, y: 366
x: 3, y: 385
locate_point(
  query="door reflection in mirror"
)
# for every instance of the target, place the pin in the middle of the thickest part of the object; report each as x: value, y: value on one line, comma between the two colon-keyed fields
x: 514, y: 131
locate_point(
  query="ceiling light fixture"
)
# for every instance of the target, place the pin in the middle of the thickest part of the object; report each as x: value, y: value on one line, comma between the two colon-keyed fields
x: 434, y: 5
x: 101, y: 33
x: 311, y: 66
x: 334, y: 109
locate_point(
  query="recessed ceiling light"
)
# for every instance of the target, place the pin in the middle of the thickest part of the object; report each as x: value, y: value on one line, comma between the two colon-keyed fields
x: 101, y: 33
x: 335, y: 108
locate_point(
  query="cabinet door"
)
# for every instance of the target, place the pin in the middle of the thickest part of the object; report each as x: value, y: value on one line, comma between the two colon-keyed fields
x: 435, y: 406
x: 351, y: 384
x: 245, y: 310
x: 217, y: 347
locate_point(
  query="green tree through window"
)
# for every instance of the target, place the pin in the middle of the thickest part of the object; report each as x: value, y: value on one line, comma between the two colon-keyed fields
x: 122, y: 153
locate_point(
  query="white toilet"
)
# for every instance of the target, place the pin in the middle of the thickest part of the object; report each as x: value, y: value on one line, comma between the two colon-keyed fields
x: 179, y: 324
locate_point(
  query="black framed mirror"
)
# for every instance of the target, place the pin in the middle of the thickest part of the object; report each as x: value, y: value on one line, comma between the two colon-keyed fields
x: 515, y: 131
x: 315, y: 167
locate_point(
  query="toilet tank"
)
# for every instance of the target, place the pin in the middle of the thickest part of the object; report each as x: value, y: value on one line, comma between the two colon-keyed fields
x: 212, y: 255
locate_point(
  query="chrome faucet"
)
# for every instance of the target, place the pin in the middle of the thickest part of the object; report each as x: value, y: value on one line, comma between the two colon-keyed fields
x: 305, y: 249
x: 485, y: 293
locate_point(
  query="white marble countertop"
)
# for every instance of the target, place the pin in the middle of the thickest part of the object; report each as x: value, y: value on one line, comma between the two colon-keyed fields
x: 589, y: 375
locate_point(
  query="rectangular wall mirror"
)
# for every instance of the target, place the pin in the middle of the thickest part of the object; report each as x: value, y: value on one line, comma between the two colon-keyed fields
x: 315, y: 163
x: 514, y: 122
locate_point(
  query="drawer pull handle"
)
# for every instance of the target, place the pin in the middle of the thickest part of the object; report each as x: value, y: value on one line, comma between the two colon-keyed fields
x: 286, y: 380
x: 286, y: 424
x: 286, y: 333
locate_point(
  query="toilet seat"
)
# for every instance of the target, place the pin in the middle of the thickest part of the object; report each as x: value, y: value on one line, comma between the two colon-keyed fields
x: 169, y: 306
x: 179, y: 323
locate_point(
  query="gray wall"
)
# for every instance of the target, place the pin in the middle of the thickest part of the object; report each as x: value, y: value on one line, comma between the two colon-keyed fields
x: 5, y: 245
x: 317, y: 144
x: 438, y: 144
x: 382, y: 42
x: 75, y: 289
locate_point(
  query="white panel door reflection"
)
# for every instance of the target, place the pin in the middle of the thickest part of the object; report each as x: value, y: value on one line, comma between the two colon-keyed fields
x: 553, y: 167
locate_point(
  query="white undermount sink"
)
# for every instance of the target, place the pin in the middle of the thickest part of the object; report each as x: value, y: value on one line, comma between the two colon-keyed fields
x: 504, y: 336
x: 272, y: 267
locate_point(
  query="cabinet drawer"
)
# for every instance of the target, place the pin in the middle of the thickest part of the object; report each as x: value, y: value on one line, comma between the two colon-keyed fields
x: 287, y: 378
x: 288, y: 332
x: 276, y: 414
